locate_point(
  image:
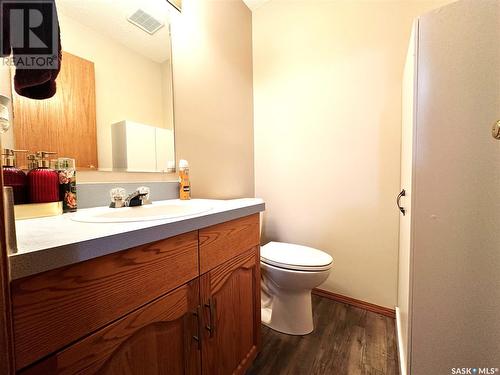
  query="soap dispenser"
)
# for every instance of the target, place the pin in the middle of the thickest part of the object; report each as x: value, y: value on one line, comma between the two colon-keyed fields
x: 14, y: 176
x: 43, y: 181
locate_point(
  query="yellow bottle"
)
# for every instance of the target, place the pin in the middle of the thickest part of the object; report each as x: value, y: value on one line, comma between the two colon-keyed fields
x: 185, y: 184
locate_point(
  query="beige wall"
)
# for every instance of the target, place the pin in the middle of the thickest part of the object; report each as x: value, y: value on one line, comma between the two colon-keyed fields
x: 327, y: 83
x: 212, y: 64
x: 167, y: 94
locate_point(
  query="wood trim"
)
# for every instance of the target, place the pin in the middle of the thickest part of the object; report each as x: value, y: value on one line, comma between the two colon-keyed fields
x: 7, y: 365
x: 257, y: 301
x: 391, y: 313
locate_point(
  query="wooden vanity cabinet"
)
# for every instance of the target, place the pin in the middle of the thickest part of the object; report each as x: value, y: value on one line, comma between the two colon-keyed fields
x: 158, y: 338
x: 207, y: 325
x: 55, y: 309
x: 230, y: 296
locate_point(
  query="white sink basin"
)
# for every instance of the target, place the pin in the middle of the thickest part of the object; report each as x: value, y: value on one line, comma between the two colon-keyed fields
x: 156, y: 211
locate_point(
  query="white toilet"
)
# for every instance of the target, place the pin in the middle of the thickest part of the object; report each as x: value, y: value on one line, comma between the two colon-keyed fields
x: 289, y: 273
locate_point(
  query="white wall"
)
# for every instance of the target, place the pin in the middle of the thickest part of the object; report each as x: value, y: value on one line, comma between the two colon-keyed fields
x: 327, y: 83
x: 213, y: 98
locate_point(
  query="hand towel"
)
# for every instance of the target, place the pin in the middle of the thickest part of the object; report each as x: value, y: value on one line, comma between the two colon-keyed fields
x: 32, y: 83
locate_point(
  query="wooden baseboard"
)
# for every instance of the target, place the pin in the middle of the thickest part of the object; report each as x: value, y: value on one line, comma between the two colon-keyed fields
x: 391, y: 313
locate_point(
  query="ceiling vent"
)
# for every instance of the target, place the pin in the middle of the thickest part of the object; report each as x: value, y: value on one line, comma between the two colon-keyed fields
x: 145, y: 22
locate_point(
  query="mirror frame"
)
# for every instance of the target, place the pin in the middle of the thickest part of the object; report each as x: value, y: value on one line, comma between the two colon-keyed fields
x: 177, y: 4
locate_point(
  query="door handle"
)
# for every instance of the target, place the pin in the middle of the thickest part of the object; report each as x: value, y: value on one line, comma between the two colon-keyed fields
x: 398, y: 201
x: 197, y: 314
x: 212, y: 308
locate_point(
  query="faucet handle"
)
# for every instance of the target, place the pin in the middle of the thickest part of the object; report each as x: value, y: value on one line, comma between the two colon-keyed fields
x: 144, y: 191
x: 118, y: 196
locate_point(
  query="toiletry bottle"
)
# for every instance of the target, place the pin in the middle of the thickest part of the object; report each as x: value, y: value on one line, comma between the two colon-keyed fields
x: 14, y: 177
x: 66, y: 169
x: 43, y: 181
x: 185, y: 184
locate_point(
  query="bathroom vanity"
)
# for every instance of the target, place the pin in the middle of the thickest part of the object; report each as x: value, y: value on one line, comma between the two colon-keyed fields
x: 185, y: 303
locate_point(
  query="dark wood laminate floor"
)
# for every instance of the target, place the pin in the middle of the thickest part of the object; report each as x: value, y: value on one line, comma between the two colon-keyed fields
x: 347, y: 340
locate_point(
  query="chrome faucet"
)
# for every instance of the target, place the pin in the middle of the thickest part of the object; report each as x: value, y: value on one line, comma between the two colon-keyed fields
x: 119, y: 197
x: 135, y: 199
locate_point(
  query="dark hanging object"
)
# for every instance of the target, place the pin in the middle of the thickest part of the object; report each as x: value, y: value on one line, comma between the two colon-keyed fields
x: 35, y: 43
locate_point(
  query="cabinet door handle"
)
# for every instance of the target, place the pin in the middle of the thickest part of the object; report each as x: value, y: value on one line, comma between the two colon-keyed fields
x: 398, y: 201
x: 197, y: 314
x: 212, y: 308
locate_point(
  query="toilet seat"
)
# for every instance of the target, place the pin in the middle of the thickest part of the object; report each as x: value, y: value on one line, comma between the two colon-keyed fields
x: 295, y: 257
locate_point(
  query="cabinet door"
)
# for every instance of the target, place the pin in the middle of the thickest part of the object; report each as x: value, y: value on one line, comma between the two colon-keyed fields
x: 59, y: 123
x: 55, y: 309
x: 160, y: 338
x: 230, y: 295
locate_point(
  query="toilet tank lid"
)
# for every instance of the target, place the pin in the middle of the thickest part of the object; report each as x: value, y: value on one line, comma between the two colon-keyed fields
x: 294, y: 255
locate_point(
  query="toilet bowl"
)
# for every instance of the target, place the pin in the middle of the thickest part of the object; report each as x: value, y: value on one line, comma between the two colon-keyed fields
x: 289, y: 273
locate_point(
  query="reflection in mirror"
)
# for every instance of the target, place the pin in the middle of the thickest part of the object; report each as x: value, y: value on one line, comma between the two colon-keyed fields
x: 114, y: 108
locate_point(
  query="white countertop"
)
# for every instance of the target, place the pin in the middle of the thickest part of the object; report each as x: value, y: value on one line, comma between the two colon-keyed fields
x: 49, y: 243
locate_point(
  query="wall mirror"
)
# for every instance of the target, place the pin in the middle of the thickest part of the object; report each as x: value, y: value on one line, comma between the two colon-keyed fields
x: 113, y: 110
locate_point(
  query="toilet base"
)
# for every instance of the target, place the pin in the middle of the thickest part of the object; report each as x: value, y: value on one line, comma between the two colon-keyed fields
x: 289, y: 313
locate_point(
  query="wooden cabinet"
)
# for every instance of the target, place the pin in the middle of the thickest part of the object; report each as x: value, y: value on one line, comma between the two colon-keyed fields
x: 59, y: 124
x: 160, y: 339
x: 230, y: 296
x: 147, y: 310
x: 222, y: 242
x: 156, y: 339
x: 55, y: 308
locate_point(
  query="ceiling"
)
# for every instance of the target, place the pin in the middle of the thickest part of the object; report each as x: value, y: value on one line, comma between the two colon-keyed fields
x: 109, y: 17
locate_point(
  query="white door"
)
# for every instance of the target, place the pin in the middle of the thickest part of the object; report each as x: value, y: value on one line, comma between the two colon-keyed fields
x: 455, y: 295
x: 408, y: 123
